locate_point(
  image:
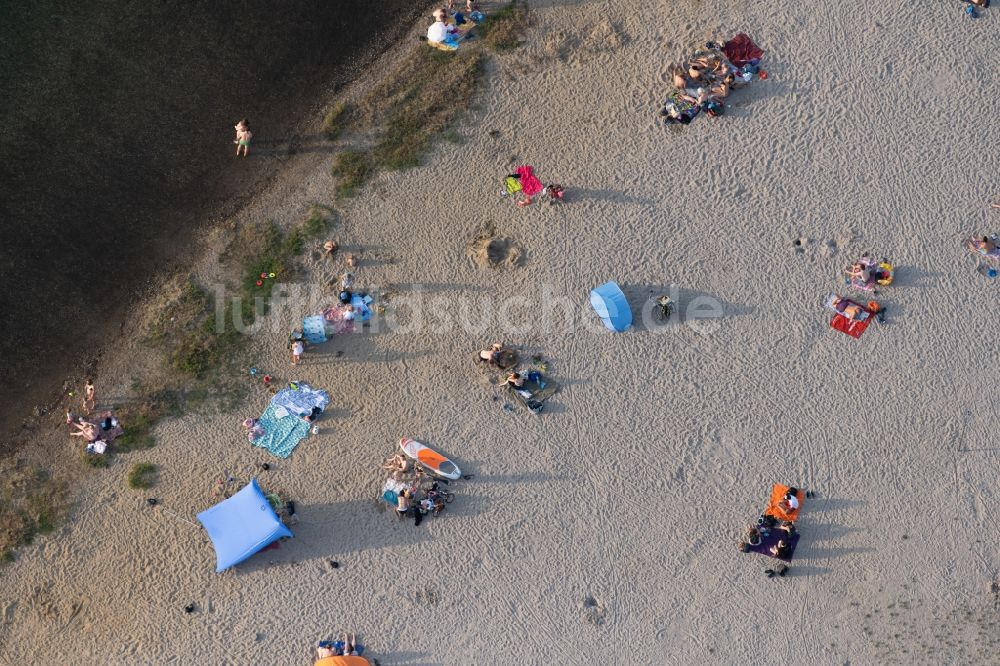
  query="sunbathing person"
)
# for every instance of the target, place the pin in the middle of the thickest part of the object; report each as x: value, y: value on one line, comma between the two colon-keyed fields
x: 397, y: 464
x: 87, y: 430
x: 492, y: 355
x: 515, y: 380
x: 986, y: 245
x: 860, y: 270
x: 780, y: 549
x: 852, y: 311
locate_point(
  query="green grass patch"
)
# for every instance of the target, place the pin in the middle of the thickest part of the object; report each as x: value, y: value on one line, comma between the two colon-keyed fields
x: 138, y: 432
x: 418, y: 101
x: 334, y: 121
x: 503, y: 28
x: 351, y: 170
x: 31, y: 503
x: 142, y: 476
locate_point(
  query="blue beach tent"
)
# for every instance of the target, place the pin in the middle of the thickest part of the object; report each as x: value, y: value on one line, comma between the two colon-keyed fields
x: 242, y: 525
x: 611, y: 306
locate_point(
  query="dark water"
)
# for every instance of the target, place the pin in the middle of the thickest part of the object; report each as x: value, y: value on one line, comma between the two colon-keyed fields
x: 116, y: 141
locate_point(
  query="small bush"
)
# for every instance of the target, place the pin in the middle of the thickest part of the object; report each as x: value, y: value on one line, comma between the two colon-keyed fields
x: 142, y: 476
x: 334, y: 121
x: 502, y: 29
x: 351, y: 169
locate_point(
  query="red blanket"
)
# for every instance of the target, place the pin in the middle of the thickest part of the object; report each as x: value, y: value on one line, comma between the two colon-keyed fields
x: 848, y: 326
x: 740, y: 50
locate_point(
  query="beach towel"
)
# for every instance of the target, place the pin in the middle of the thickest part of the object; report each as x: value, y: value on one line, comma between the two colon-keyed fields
x: 281, y: 435
x: 299, y: 401
x: 778, y: 494
x: 530, y: 184
x: 851, y: 327
x: 741, y: 50
x: 771, y: 539
x: 314, y: 329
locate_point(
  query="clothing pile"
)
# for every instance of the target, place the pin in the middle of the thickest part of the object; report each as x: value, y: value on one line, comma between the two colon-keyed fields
x: 703, y: 82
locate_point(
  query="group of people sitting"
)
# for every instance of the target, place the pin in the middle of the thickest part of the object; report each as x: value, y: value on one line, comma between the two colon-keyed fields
x: 449, y: 24
x: 97, y: 435
x: 416, y: 493
x: 704, y: 82
x: 867, y: 271
x: 776, y: 526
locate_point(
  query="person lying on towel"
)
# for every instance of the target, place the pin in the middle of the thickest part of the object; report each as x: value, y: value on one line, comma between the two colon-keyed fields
x: 852, y: 311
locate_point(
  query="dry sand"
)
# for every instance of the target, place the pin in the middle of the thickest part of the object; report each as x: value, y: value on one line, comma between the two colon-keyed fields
x: 606, y: 528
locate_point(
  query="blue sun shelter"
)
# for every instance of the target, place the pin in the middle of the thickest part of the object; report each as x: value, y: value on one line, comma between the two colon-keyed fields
x: 611, y: 306
x: 242, y: 525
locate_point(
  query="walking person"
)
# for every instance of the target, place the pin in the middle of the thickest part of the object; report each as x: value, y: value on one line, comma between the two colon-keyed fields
x: 243, y: 136
x: 298, y: 347
x: 88, y: 396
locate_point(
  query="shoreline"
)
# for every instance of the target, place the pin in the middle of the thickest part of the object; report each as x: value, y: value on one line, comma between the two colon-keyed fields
x: 28, y: 352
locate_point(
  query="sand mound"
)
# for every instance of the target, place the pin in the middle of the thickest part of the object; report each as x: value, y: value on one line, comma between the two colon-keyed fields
x: 488, y: 250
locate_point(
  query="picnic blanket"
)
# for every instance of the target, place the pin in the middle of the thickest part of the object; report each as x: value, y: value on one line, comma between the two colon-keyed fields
x: 299, y: 401
x: 281, y: 435
x: 771, y: 539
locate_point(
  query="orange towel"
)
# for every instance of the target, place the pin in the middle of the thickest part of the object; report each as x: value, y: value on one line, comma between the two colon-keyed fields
x: 774, y: 506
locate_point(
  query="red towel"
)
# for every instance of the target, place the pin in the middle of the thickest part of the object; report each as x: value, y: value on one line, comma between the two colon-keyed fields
x: 740, y: 50
x: 848, y: 326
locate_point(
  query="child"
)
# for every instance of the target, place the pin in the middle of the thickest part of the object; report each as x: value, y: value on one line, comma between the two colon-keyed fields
x: 243, y: 136
x: 297, y: 350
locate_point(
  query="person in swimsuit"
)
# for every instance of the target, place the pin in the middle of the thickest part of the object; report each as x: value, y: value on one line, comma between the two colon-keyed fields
x: 88, y: 396
x: 986, y: 245
x: 491, y: 355
x: 516, y: 380
x: 243, y: 136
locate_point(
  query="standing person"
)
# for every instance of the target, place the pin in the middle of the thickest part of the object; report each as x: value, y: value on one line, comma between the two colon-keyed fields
x: 88, y: 396
x: 243, y: 136
x: 297, y: 350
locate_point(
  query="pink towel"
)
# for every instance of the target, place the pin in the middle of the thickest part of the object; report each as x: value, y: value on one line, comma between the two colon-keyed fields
x: 530, y: 184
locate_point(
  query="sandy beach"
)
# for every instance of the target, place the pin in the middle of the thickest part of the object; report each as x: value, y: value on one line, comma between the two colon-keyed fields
x: 606, y: 527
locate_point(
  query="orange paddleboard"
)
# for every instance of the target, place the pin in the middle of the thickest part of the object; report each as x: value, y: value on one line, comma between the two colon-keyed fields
x: 432, y: 460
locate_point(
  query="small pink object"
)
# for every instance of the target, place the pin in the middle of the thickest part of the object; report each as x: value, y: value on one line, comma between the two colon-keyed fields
x: 267, y: 379
x: 263, y: 276
x: 260, y: 283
